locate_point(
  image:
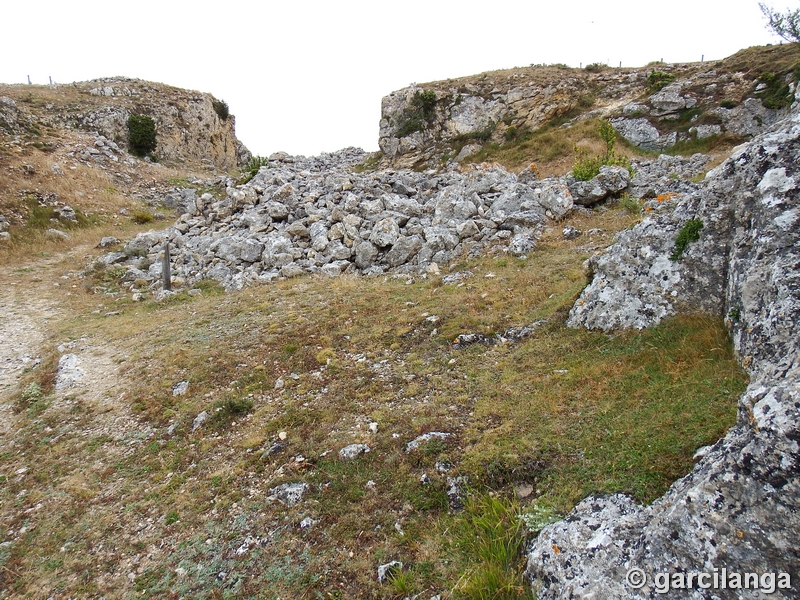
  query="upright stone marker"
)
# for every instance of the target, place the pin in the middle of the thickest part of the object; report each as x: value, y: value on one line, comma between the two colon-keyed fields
x: 165, y: 274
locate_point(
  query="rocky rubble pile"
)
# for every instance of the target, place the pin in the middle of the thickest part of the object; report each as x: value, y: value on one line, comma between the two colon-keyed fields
x: 316, y: 215
x: 736, y: 512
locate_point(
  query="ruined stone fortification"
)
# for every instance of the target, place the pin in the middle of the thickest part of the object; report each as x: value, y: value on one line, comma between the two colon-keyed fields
x: 737, y: 510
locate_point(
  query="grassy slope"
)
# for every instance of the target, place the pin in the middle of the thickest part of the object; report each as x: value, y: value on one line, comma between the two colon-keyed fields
x: 566, y: 412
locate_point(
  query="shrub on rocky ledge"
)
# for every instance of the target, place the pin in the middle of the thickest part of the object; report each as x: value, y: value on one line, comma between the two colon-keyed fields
x: 141, y: 135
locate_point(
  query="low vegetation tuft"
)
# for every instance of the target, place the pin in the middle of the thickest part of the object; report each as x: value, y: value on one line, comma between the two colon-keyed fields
x: 690, y: 232
x: 221, y: 108
x: 419, y: 114
x: 586, y: 167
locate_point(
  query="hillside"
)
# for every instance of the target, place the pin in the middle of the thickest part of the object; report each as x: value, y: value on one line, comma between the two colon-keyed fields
x: 382, y: 382
x: 537, y: 114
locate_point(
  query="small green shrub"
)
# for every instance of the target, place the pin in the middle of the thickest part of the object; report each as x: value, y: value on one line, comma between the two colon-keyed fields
x: 728, y: 104
x: 252, y: 167
x: 229, y: 409
x: 658, y: 79
x: 141, y: 135
x: 690, y: 232
x: 586, y: 167
x: 33, y: 399
x: 114, y: 274
x: 594, y: 67
x: 32, y: 393
x: 629, y: 205
x: 221, y: 108
x: 418, y: 114
x: 777, y: 94
x: 141, y: 217
x: 171, y: 517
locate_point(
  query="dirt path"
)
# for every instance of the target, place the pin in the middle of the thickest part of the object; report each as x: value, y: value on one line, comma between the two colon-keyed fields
x: 34, y: 297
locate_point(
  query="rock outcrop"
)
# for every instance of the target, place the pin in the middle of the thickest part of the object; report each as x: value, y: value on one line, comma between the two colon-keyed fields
x: 191, y: 126
x: 653, y: 107
x: 737, y: 510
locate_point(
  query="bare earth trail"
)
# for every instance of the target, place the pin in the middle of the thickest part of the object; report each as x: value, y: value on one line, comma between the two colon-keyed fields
x: 34, y: 298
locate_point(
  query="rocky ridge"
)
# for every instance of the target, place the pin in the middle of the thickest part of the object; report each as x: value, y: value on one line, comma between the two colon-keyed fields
x: 737, y: 509
x: 192, y: 126
x: 653, y: 107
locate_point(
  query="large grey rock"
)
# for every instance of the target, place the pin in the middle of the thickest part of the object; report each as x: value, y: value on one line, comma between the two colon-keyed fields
x: 705, y: 131
x: 554, y: 197
x: 353, y: 451
x: 738, y: 509
x: 276, y: 210
x: 613, y: 179
x: 69, y: 372
x: 402, y: 204
x: 366, y: 253
x: 289, y: 493
x: 403, y: 250
x: 250, y: 250
x: 669, y: 100
x: 640, y: 132
x: 57, y: 234
x: 749, y: 118
x: 522, y: 243
x: 586, y: 193
x: 385, y: 233
x: 610, y: 181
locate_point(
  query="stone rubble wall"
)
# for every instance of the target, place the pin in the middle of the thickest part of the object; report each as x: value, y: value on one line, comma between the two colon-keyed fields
x: 316, y: 215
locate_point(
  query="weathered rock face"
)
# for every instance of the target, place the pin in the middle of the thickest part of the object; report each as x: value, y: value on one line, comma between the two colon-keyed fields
x: 737, y: 510
x: 656, y: 122
x: 189, y: 128
x: 652, y: 107
x: 469, y: 112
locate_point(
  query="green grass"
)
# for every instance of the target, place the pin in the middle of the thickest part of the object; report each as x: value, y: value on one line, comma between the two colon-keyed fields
x: 568, y: 412
x: 543, y: 146
x: 490, y: 538
x: 690, y: 232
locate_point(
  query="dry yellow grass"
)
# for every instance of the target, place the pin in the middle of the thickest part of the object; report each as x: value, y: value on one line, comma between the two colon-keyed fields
x: 121, y: 500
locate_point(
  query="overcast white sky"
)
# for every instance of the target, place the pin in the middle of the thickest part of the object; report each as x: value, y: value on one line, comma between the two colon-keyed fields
x: 307, y: 76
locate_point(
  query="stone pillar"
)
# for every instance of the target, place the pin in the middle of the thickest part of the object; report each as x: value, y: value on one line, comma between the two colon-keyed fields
x: 166, y: 277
